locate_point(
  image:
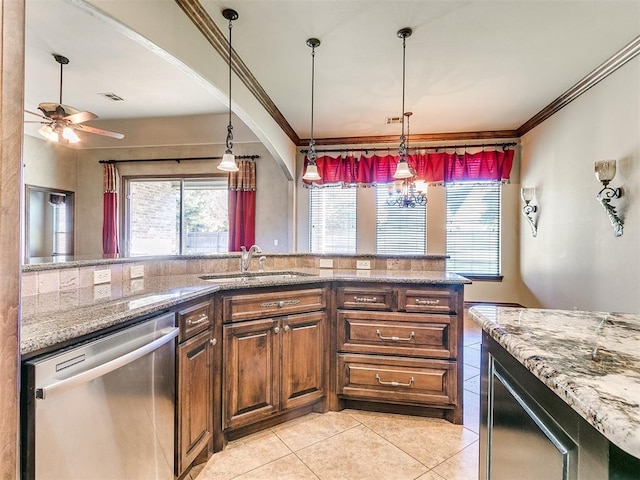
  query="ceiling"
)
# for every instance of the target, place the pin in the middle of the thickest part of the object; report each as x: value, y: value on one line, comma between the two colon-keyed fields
x: 471, y: 66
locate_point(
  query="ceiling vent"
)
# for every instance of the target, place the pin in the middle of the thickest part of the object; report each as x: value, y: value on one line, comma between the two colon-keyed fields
x: 390, y: 120
x: 112, y: 96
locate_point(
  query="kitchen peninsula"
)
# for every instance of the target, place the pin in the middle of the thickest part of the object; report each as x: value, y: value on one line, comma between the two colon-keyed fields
x: 258, y: 348
x: 559, y: 385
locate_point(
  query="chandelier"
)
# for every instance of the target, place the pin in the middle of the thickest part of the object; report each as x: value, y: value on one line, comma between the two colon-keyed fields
x: 407, y: 192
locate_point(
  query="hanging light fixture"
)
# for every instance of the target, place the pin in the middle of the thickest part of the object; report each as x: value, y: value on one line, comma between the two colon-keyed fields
x: 311, y: 174
x: 407, y: 192
x: 228, y: 163
x: 402, y: 169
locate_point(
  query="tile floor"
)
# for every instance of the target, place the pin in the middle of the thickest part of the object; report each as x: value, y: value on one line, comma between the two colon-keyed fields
x: 353, y: 445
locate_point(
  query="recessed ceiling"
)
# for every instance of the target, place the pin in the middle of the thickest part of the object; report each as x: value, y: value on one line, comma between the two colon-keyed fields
x: 471, y: 66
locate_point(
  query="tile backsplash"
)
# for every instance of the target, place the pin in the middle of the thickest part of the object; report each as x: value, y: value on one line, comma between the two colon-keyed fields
x: 64, y: 278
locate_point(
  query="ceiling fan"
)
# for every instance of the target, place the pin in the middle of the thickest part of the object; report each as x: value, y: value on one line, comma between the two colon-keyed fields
x: 59, y: 121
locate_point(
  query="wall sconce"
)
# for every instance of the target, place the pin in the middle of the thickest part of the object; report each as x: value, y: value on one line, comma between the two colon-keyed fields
x: 605, y: 171
x: 528, y: 210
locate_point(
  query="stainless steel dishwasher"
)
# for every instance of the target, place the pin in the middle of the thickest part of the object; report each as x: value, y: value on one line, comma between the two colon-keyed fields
x: 104, y: 410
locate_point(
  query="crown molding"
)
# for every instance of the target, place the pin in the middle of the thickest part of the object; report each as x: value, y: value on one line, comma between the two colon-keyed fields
x: 418, y: 137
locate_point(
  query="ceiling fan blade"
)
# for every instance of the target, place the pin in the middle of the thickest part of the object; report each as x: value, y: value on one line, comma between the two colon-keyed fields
x: 98, y: 131
x: 37, y: 121
x: 36, y: 114
x: 57, y: 110
x: 80, y: 117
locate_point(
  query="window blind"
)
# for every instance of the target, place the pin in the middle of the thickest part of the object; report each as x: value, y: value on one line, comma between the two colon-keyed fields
x: 473, y: 228
x: 399, y: 230
x: 332, y: 220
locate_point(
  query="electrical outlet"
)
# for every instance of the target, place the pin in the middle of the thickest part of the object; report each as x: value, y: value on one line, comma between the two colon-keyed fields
x: 137, y: 285
x: 136, y: 271
x: 102, y: 276
x: 326, y: 263
x: 363, y: 264
x: 102, y: 291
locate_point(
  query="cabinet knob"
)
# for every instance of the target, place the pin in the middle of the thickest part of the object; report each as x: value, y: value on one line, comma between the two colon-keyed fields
x: 213, y: 341
x: 276, y: 330
x: 286, y: 328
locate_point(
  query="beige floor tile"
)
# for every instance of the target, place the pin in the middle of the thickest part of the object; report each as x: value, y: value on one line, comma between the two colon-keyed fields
x: 359, y: 453
x: 428, y: 440
x: 243, y: 456
x: 472, y: 357
x: 430, y: 475
x: 285, y: 468
x: 469, y: 371
x: 462, y: 466
x: 471, y: 411
x: 475, y: 346
x: 302, y: 434
x: 473, y: 384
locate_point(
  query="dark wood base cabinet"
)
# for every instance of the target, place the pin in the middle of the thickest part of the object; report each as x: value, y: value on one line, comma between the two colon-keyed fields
x: 275, y: 365
x: 400, y: 345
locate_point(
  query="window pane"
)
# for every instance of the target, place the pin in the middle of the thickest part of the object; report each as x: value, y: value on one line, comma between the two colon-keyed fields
x: 399, y: 229
x: 333, y: 220
x: 473, y: 228
x: 206, y: 218
x: 154, y: 217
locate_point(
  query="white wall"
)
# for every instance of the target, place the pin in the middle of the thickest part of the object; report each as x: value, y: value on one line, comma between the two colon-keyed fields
x: 575, y: 261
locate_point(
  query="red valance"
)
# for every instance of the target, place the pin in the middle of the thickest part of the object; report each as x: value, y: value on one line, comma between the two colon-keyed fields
x: 431, y: 167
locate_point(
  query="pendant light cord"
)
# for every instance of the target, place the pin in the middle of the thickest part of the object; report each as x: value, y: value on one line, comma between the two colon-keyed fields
x: 313, y: 43
x: 402, y: 149
x: 230, y: 126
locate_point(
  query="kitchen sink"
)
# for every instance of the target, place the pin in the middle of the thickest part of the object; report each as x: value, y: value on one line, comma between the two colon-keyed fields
x: 253, y: 277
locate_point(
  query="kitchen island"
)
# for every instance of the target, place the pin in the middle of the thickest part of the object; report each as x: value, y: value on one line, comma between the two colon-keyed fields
x: 563, y: 386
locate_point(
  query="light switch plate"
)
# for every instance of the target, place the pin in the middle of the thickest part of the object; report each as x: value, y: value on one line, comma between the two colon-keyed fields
x: 363, y: 264
x: 102, y: 276
x: 136, y: 271
x: 137, y: 285
x: 326, y: 263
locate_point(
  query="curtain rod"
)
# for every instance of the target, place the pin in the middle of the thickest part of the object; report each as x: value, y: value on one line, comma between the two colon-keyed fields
x: 178, y: 160
x: 425, y: 147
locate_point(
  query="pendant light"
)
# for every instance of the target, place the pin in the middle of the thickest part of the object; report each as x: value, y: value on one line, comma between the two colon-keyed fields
x: 403, y: 170
x: 311, y: 174
x: 228, y: 163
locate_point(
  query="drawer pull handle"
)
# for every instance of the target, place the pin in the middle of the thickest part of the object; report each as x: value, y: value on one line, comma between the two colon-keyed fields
x: 365, y: 299
x: 427, y: 302
x: 280, y: 304
x: 394, y: 338
x: 286, y: 328
x: 214, y: 341
x: 276, y: 330
x: 203, y: 318
x: 395, y: 384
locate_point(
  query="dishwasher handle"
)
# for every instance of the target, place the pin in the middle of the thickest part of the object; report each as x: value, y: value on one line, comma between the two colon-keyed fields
x: 100, y: 370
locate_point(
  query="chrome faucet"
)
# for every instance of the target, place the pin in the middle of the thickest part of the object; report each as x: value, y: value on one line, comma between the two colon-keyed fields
x: 246, y: 256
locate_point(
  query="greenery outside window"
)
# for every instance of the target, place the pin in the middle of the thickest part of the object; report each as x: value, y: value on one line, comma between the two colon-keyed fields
x: 175, y: 216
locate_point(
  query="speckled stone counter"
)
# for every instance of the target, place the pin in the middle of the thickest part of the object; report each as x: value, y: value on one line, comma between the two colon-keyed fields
x: 590, y: 360
x: 55, y: 318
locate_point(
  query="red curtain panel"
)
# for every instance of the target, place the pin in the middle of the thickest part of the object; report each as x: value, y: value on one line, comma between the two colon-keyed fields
x: 242, y: 206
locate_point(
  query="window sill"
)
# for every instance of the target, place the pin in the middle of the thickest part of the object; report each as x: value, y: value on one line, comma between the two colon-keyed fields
x: 482, y: 278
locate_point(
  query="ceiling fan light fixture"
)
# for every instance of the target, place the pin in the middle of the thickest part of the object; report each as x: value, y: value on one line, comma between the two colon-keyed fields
x: 228, y: 163
x: 69, y: 135
x: 48, y: 133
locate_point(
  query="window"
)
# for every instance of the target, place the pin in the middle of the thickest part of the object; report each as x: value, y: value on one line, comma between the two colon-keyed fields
x: 399, y: 230
x: 333, y: 220
x: 473, y: 228
x: 176, y: 216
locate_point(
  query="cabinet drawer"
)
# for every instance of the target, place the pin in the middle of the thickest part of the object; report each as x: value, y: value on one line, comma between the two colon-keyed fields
x: 431, y: 300
x: 397, y: 380
x: 247, y: 307
x: 194, y: 319
x: 391, y: 333
x: 368, y: 298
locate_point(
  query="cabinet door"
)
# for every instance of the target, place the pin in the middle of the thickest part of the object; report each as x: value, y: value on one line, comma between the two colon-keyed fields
x: 194, y: 397
x: 251, y: 372
x: 303, y: 359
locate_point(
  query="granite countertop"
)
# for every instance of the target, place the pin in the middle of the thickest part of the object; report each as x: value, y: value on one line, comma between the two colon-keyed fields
x: 589, y: 359
x: 54, y: 319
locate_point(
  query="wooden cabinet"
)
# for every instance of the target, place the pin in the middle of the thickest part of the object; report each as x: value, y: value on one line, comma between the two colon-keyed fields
x: 195, y: 383
x: 276, y: 364
x: 400, y: 345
